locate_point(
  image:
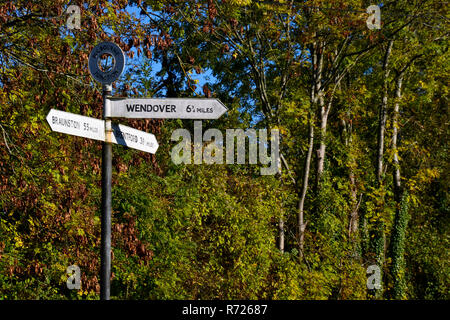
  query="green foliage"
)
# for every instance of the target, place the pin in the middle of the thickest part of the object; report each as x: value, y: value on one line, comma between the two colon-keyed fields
x: 398, y: 248
x: 211, y: 231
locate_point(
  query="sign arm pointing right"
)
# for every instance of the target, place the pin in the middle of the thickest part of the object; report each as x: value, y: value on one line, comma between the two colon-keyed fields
x: 167, y: 108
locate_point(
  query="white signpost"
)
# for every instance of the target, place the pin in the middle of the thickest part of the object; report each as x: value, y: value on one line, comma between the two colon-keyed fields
x: 81, y: 126
x: 166, y: 108
x: 76, y: 125
x: 133, y: 138
x: 104, y: 130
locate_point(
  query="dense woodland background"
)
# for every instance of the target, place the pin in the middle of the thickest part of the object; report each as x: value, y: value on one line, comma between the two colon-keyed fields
x: 363, y: 117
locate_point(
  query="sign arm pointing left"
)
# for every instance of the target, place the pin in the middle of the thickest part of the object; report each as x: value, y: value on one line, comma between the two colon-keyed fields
x: 81, y: 126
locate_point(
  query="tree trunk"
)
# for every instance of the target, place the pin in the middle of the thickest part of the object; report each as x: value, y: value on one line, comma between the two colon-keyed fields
x: 401, y: 213
x: 383, y: 114
x: 323, y: 116
x: 379, y: 238
x: 301, y: 222
x: 317, y: 99
x: 397, y: 176
x: 281, y: 235
x: 353, y: 216
x: 353, y: 222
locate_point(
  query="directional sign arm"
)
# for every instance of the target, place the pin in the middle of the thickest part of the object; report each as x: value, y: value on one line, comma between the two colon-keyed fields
x: 92, y: 128
x: 168, y: 108
x: 133, y: 138
x: 76, y: 125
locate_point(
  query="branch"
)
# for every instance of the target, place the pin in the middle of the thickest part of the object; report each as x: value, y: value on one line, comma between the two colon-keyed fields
x: 46, y: 71
x: 283, y: 160
x: 410, y: 62
x: 4, y: 139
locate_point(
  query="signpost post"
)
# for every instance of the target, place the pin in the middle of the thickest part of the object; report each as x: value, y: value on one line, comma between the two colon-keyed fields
x: 106, y: 78
x: 105, y: 251
x: 104, y: 130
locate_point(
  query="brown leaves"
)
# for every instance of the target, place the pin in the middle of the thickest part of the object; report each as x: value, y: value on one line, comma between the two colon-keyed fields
x: 162, y: 42
x: 2, y: 247
x: 169, y: 9
x: 225, y: 48
x: 212, y: 10
x: 121, y: 167
x: 208, y: 27
x: 233, y: 22
x: 207, y: 91
x: 125, y: 236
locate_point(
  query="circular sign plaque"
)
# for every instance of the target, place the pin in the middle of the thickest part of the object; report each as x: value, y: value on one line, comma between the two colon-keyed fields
x: 106, y: 77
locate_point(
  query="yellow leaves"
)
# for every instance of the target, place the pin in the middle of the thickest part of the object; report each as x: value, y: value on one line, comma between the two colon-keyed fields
x: 241, y: 2
x: 280, y: 6
x: 13, y: 96
x: 18, y: 242
x: 422, y: 84
x: 65, y: 95
x: 291, y: 107
x: 36, y: 53
x: 433, y: 173
x: 80, y: 232
x: 49, y: 208
x: 2, y: 96
x: 422, y: 178
x: 412, y: 198
x: 32, y: 223
x: 282, y: 129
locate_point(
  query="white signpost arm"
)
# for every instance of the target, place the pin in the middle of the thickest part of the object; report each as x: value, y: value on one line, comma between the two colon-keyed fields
x: 167, y: 108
